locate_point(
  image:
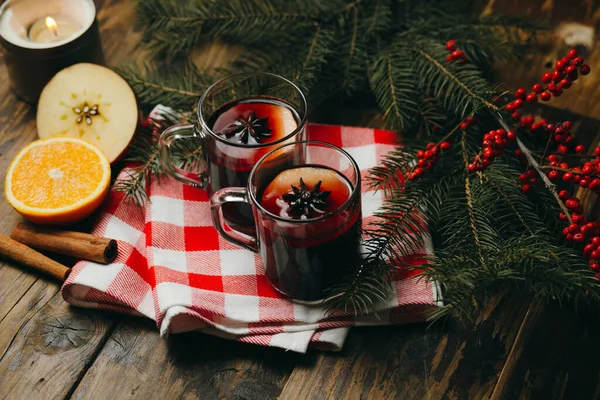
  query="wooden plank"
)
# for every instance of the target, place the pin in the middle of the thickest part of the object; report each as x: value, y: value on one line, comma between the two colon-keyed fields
x: 410, y: 362
x: 45, y: 345
x: 140, y: 365
x: 559, y: 359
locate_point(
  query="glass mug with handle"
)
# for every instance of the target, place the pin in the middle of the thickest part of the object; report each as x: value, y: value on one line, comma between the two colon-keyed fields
x: 307, y: 217
x: 239, y: 119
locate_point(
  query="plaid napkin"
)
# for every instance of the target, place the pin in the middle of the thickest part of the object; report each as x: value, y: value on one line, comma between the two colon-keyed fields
x: 173, y: 267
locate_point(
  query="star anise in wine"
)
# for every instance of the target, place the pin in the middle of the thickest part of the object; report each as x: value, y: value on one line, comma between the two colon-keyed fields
x: 251, y: 129
x: 306, y: 202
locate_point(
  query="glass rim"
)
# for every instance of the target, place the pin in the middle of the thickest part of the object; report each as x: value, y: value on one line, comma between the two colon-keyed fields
x: 341, y: 208
x: 205, y: 128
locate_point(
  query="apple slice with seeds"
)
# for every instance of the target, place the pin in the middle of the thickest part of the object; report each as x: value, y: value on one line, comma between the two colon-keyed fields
x: 90, y: 102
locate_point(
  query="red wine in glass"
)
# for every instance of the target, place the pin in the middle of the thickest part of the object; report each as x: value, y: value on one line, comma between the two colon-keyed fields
x: 247, y: 125
x: 303, y: 260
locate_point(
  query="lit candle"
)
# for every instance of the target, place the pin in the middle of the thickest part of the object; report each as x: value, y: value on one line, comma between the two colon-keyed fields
x: 53, y: 29
x: 41, y: 37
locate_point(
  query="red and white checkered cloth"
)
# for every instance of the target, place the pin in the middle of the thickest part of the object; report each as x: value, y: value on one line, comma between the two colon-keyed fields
x: 173, y: 267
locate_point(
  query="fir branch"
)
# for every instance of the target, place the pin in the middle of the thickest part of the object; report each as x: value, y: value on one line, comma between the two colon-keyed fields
x: 507, y: 199
x: 453, y: 77
x: 391, y: 77
x: 533, y: 163
x: 469, y: 198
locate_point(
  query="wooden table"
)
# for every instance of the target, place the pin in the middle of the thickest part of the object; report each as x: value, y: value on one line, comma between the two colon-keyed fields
x: 50, y: 350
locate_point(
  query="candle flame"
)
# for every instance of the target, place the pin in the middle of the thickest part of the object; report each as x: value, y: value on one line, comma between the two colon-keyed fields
x: 51, y: 24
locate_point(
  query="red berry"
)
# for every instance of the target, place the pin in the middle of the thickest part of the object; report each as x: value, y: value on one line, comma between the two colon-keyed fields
x: 515, y: 115
x: 557, y: 92
x: 596, y: 268
x: 428, y: 153
x: 451, y: 45
x: 563, y: 165
x: 595, y: 255
x: 520, y: 93
x: 572, y: 203
x: 560, y: 65
x: 597, y: 276
x: 580, y: 149
x: 557, y: 76
x: 430, y: 145
x: 511, y: 135
x: 471, y: 168
x: 464, y: 125
x: 584, y: 183
x: 531, y: 98
x: 547, y: 77
x: 571, y: 69
x: 596, y: 240
x: 563, y: 217
x: 597, y: 151
x: 420, y: 154
x: 545, y: 96
x: 562, y: 149
x: 578, y: 61
x: 567, y: 177
x: 587, y: 168
x: 588, y: 249
x: 537, y: 88
x: 564, y: 195
x: 565, y: 84
x: 584, y: 69
x: 578, y: 237
x: 572, y: 54
x: 445, y: 145
x: 573, y: 228
x: 449, y: 58
x: 553, y: 175
x: 526, y: 188
x: 457, y: 54
x: 566, y: 125
x: 518, y: 103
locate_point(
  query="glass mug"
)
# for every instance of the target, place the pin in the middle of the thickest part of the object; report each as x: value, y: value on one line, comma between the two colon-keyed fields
x: 239, y: 119
x: 306, y: 249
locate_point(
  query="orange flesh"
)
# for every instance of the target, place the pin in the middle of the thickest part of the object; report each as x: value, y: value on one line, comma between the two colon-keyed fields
x: 56, y: 175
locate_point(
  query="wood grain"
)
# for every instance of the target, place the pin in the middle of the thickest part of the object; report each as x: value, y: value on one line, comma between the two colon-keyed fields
x: 140, y: 365
x: 412, y: 362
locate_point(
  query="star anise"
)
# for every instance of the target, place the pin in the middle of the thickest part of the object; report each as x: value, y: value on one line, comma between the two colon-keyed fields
x: 251, y: 129
x: 304, y: 202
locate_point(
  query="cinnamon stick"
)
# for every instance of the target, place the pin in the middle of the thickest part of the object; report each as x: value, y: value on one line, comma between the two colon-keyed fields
x: 75, y: 244
x: 27, y: 256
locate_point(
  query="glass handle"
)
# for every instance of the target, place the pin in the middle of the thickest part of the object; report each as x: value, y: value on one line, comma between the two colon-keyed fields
x: 231, y: 195
x: 167, y: 138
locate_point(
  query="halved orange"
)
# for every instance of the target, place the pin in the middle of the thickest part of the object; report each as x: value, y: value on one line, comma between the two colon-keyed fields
x: 57, y: 181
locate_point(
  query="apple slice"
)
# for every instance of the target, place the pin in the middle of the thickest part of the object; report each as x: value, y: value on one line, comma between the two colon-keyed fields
x: 90, y: 102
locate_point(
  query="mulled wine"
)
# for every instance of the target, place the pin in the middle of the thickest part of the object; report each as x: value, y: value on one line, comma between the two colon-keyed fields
x: 246, y: 127
x: 316, y: 240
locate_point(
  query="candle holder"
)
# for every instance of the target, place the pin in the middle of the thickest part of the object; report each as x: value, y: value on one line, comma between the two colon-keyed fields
x: 41, y: 37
